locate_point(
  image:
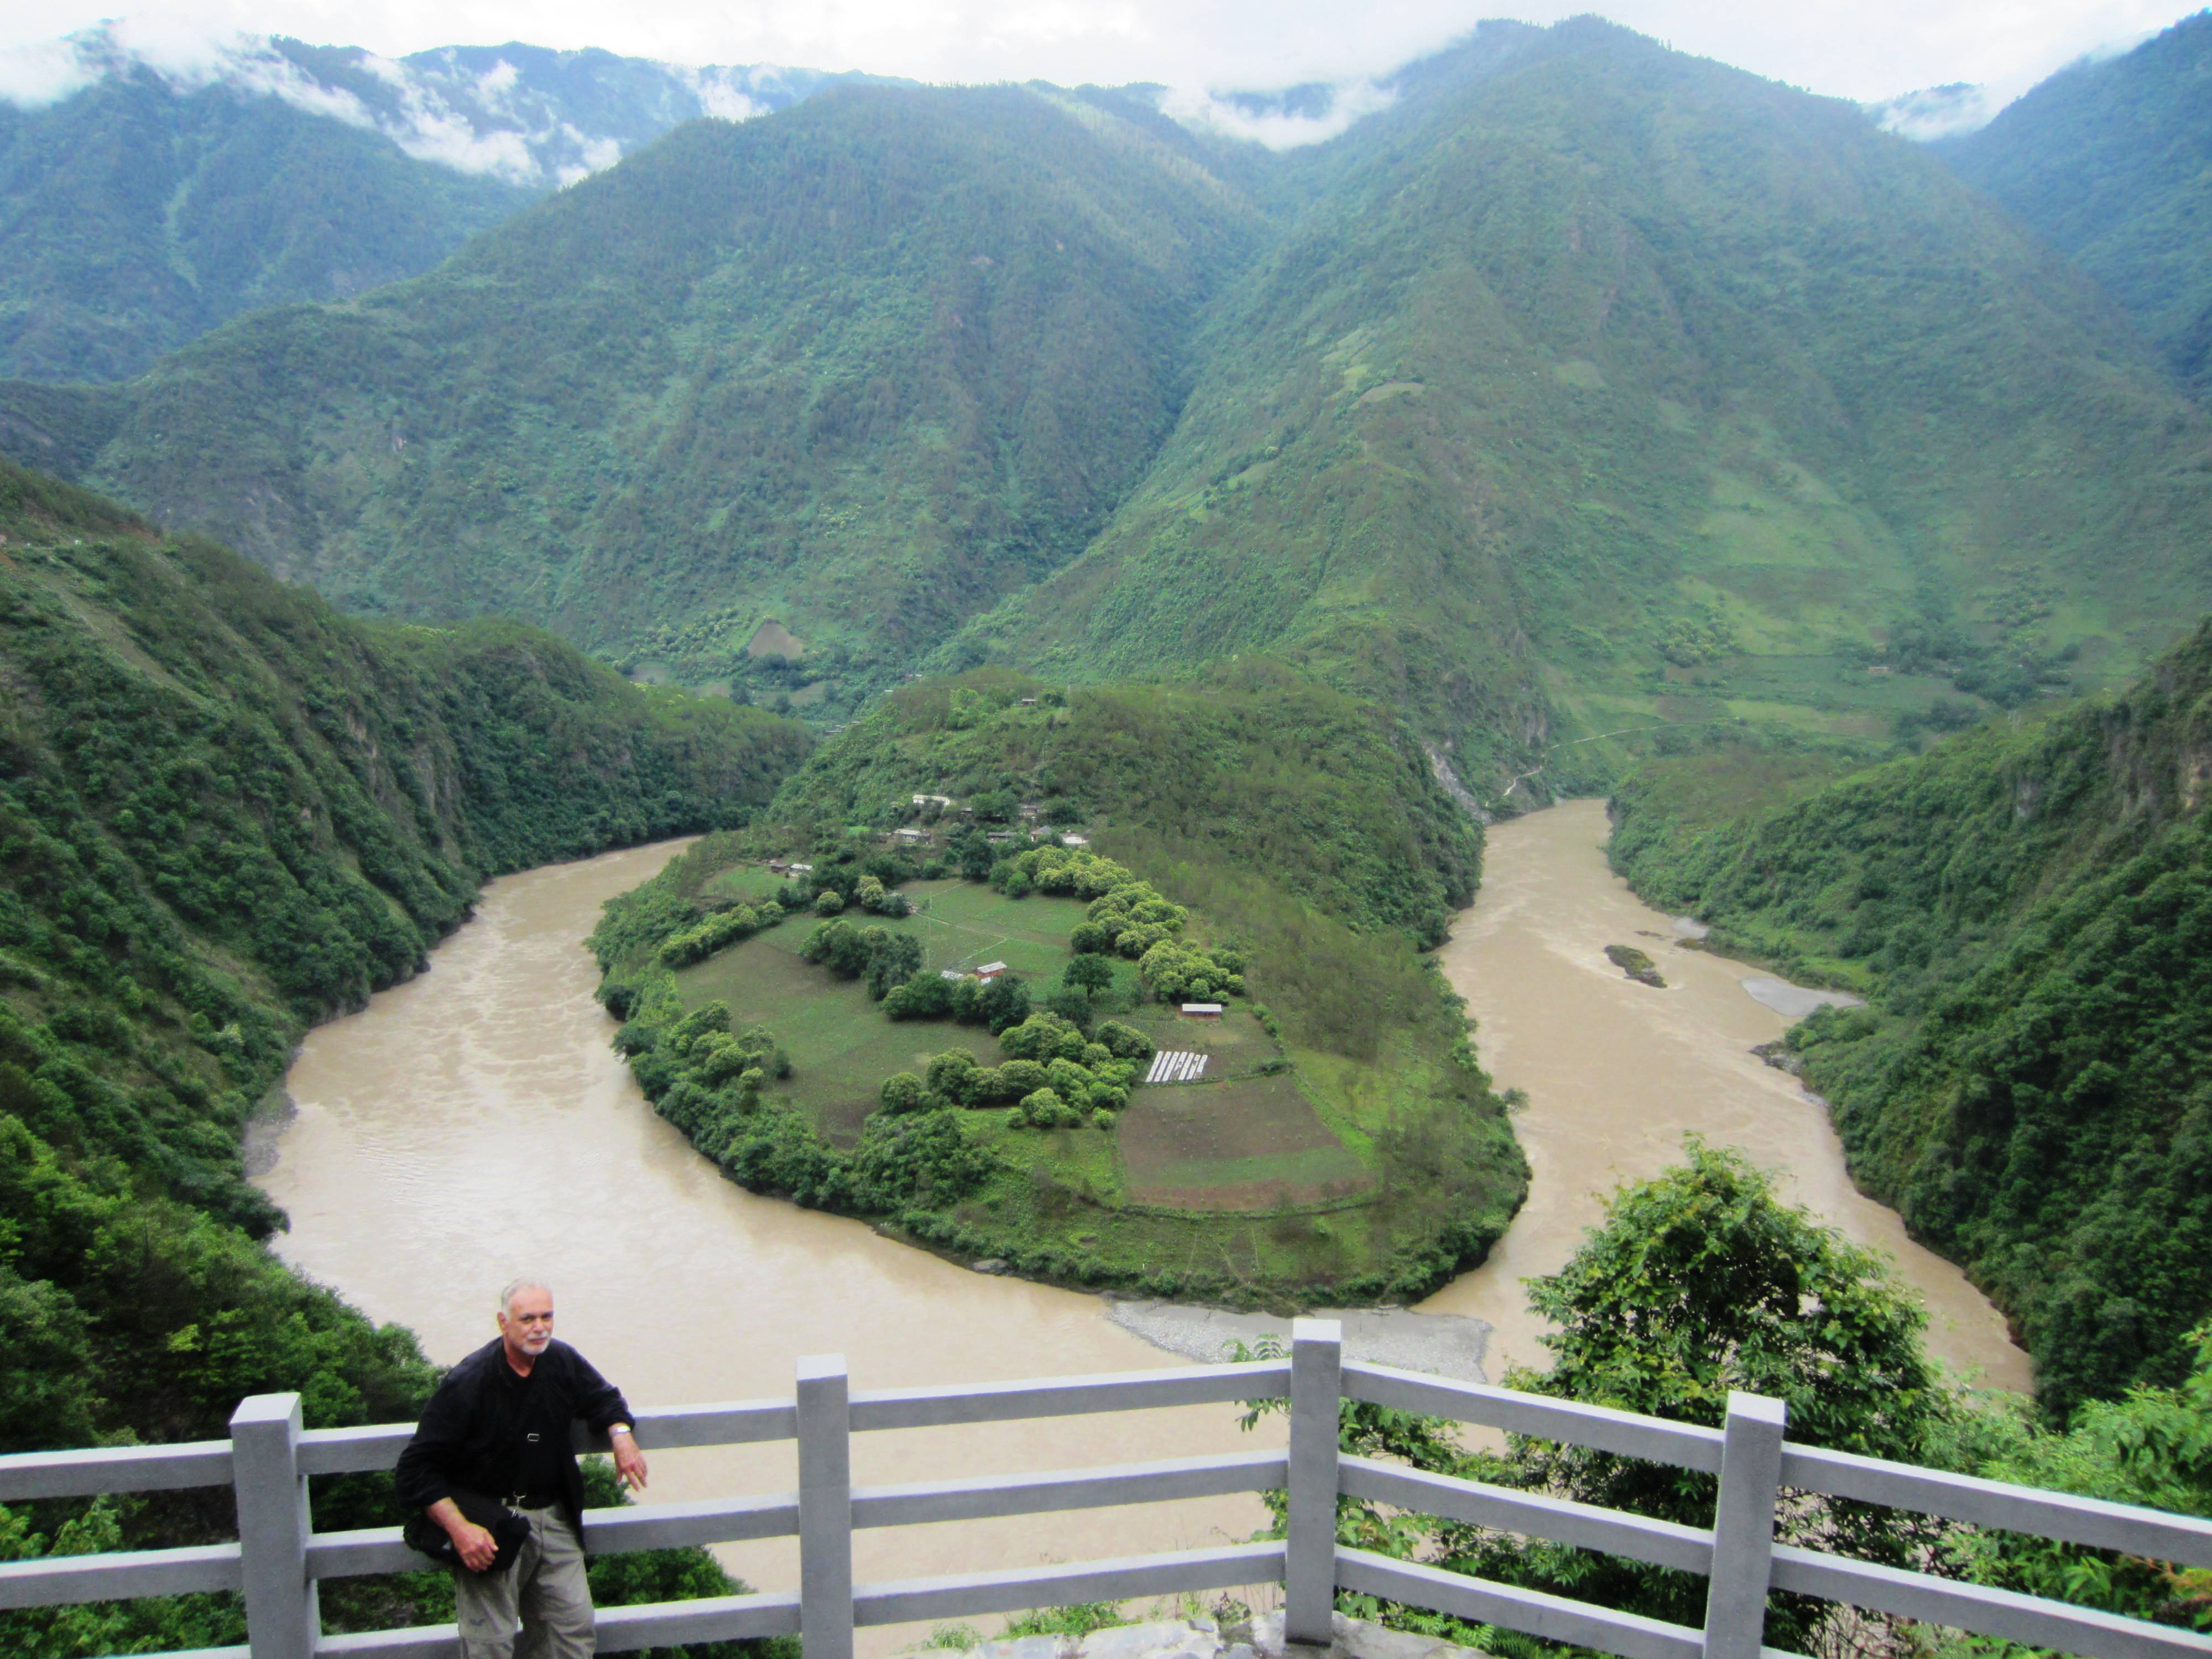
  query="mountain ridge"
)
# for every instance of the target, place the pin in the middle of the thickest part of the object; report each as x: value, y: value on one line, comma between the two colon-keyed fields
x: 2111, y: 162
x: 1589, y: 389
x: 935, y: 333
x: 150, y: 195
x: 1514, y: 419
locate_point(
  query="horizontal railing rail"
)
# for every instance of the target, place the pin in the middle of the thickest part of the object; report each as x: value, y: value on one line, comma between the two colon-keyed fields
x: 279, y: 1559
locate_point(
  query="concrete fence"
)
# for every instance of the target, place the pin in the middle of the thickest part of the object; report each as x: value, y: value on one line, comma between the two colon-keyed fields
x: 279, y: 1558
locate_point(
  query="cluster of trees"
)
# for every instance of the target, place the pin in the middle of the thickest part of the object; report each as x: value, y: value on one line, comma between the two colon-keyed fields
x: 708, y: 1077
x: 2029, y: 911
x: 701, y: 1052
x: 1701, y: 1281
x: 1127, y: 919
x: 1174, y: 971
x: 1053, y: 1076
x: 884, y: 959
x: 717, y: 929
x: 929, y: 995
x: 1066, y: 871
x: 871, y: 894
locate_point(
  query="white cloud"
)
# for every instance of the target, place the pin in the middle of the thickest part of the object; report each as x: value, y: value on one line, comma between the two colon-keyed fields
x: 1864, y: 50
x: 1278, y: 129
x: 450, y: 140
x: 35, y: 73
x: 718, y: 95
x: 1935, y: 111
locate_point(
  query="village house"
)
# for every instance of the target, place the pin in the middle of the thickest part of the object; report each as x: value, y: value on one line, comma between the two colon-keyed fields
x: 990, y: 970
x: 1202, y: 1009
x: 933, y: 800
x: 1075, y: 840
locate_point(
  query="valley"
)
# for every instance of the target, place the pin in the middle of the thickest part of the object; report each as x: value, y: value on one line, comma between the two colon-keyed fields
x: 980, y: 724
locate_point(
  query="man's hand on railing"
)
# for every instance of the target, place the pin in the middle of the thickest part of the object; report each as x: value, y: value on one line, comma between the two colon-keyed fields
x: 477, y: 1548
x: 630, y: 1461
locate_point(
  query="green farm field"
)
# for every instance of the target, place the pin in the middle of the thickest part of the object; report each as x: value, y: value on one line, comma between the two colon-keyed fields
x: 841, y: 1047
x: 1254, y: 1144
x: 1238, y: 1141
x: 1235, y: 1045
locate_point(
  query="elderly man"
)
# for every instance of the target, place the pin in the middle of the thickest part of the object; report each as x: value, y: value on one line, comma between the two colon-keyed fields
x: 498, y: 1427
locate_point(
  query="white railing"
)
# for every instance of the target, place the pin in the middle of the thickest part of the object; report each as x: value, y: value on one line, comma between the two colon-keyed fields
x: 279, y: 1558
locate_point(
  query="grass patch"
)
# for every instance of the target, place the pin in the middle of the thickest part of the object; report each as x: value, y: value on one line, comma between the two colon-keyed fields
x: 1235, y: 1044
x: 1250, y: 1145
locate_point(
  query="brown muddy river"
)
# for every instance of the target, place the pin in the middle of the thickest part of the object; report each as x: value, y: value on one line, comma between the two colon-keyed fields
x: 474, y: 1125
x: 1618, y: 1072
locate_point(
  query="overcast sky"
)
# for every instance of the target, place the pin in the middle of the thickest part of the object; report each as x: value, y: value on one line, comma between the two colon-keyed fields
x: 1861, y: 49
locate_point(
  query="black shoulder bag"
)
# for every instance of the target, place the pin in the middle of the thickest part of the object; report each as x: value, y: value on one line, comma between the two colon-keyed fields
x: 508, y: 1530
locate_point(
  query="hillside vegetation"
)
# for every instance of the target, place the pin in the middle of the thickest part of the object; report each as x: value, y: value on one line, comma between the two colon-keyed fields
x: 226, y: 812
x: 167, y: 195
x: 140, y: 216
x: 2111, y: 162
x: 1253, y: 838
x: 2029, y: 909
x: 1602, y: 387
x: 1590, y: 389
x: 779, y: 402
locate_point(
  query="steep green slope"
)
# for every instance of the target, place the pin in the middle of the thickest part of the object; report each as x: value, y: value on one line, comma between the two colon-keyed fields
x: 226, y: 812
x: 856, y: 370
x: 2029, y: 908
x: 134, y: 216
x: 1600, y: 387
x: 1344, y: 1143
x: 1329, y: 796
x: 2111, y: 162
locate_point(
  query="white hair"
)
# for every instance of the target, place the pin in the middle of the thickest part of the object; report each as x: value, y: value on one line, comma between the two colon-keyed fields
x: 515, y: 1287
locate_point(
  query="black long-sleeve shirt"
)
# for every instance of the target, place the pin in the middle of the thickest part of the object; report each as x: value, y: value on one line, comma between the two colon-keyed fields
x: 491, y: 1432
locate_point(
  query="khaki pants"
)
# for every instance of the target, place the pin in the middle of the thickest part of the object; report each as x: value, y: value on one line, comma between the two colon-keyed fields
x: 545, y: 1588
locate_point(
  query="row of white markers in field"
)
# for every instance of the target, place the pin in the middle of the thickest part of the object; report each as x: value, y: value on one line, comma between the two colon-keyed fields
x: 1176, y: 1066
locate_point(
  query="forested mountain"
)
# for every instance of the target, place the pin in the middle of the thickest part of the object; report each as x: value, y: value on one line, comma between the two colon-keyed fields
x: 854, y: 371
x: 152, y: 202
x: 226, y: 812
x: 2111, y: 162
x: 134, y: 216
x: 1590, y: 389
x: 2029, y: 908
x: 1599, y: 386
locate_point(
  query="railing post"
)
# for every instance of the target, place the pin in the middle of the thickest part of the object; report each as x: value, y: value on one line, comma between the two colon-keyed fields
x: 1743, y: 1527
x: 825, y: 1509
x: 282, y: 1618
x: 1309, y: 1556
